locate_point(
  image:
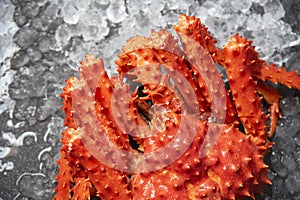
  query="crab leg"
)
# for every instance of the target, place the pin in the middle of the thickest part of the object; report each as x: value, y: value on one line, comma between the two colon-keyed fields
x: 192, y: 34
x: 103, y: 178
x: 262, y: 71
x: 170, y: 60
x: 96, y: 79
x: 64, y: 178
x: 173, y: 64
x: 174, y: 177
x: 192, y: 27
x: 81, y: 189
x: 222, y: 174
x: 277, y: 75
x: 247, y: 101
x: 67, y: 103
x: 161, y: 48
x: 272, y: 97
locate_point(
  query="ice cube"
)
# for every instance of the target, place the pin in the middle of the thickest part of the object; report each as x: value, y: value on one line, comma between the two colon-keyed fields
x: 25, y: 37
x: 71, y: 14
x: 275, y: 9
x: 116, y: 11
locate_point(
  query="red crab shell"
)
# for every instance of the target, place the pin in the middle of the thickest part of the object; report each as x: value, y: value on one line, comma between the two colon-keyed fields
x: 232, y: 167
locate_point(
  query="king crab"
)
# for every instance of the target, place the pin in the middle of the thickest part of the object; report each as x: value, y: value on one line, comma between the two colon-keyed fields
x: 220, y: 159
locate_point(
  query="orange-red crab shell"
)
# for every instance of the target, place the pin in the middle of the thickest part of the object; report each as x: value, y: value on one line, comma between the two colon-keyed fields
x: 148, y: 107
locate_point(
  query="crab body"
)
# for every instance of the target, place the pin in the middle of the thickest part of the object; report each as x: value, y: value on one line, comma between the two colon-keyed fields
x: 165, y: 98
